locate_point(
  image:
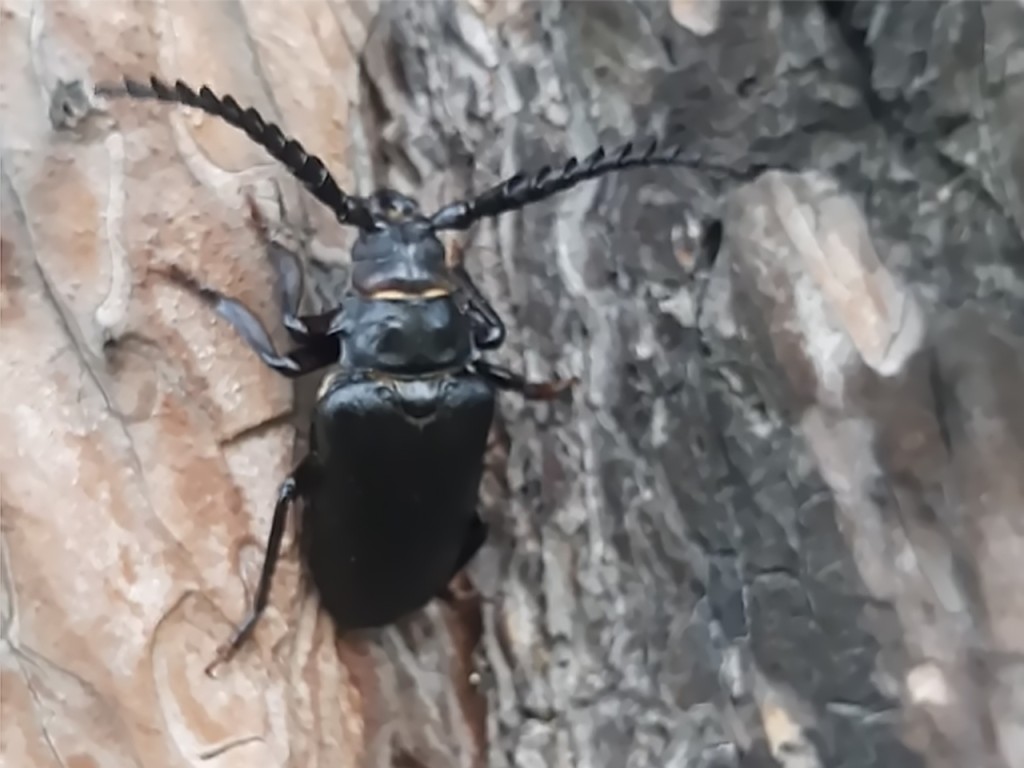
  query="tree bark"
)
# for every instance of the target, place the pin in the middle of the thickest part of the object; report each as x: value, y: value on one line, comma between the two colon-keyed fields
x: 779, y: 523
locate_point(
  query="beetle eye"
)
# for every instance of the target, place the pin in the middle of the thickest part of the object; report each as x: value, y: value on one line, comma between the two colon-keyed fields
x: 393, y: 206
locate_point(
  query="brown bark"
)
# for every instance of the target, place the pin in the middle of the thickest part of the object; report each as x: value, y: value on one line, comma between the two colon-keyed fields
x: 779, y: 523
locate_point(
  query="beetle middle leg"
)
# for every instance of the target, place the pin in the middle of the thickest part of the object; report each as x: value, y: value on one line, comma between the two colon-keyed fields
x: 475, y: 538
x: 293, y: 487
x: 503, y: 378
x: 489, y: 330
x: 488, y: 327
x: 304, y: 359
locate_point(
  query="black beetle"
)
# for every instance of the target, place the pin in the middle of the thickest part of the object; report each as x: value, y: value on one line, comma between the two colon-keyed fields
x: 390, y: 483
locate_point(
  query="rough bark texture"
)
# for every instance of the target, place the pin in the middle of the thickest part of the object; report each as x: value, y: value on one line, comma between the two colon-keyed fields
x: 780, y: 522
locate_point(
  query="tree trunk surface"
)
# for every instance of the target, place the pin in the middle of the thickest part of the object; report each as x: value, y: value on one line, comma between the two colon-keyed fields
x: 779, y: 522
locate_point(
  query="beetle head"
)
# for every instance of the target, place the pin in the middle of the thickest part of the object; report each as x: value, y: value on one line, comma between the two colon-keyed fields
x: 405, y: 239
x: 400, y: 249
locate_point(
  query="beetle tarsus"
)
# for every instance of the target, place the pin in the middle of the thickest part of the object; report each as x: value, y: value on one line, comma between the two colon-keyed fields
x: 503, y: 378
x: 288, y: 491
x: 452, y: 598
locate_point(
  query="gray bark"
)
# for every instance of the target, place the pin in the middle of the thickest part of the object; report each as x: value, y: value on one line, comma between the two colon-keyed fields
x: 779, y: 523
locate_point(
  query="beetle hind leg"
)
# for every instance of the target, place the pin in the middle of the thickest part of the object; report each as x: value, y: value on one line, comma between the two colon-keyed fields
x: 475, y: 538
x: 289, y: 491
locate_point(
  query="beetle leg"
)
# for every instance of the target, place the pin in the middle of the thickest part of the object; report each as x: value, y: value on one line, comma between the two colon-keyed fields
x: 308, y: 330
x: 287, y: 493
x: 489, y: 332
x: 290, y: 277
x: 301, y: 360
x: 475, y: 538
x: 290, y: 288
x: 503, y: 378
x: 287, y: 268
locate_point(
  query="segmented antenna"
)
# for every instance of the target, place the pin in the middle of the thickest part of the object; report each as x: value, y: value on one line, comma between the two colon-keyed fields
x: 521, y: 190
x: 307, y: 168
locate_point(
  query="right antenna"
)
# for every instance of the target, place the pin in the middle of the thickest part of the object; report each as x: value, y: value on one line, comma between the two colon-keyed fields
x: 521, y: 190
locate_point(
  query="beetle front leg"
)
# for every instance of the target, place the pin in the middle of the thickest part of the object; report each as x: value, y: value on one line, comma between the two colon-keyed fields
x: 304, y: 359
x: 291, y: 489
x: 489, y: 330
x: 290, y: 277
x: 503, y: 378
x: 310, y: 331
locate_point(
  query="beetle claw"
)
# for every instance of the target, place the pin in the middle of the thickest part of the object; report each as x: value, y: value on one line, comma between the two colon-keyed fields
x: 225, y: 652
x: 213, y: 665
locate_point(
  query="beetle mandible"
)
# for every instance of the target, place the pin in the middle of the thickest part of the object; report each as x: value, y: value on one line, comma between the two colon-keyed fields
x: 390, y: 482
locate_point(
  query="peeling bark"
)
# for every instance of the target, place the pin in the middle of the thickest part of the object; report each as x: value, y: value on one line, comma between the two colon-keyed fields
x: 780, y: 522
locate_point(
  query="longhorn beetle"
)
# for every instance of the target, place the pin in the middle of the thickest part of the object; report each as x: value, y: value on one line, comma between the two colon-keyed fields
x: 390, y: 482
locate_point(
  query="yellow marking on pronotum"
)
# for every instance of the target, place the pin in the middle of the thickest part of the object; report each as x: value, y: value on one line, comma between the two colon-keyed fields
x: 326, y: 383
x: 391, y: 294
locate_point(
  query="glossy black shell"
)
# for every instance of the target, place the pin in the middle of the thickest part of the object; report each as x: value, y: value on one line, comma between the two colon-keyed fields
x: 391, y: 506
